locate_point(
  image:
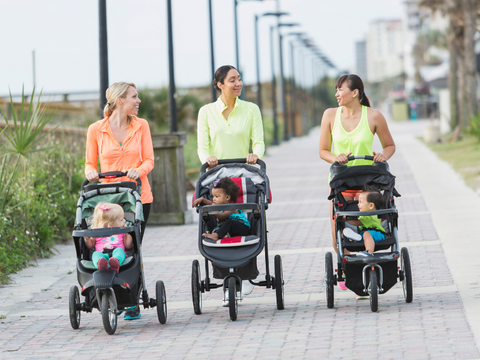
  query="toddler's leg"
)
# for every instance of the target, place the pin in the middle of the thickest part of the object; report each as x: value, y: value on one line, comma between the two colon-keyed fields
x: 369, y: 242
x: 118, y: 257
x: 97, y: 256
x: 119, y: 254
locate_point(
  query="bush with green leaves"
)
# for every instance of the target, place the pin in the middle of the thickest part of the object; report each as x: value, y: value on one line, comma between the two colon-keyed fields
x: 40, y: 179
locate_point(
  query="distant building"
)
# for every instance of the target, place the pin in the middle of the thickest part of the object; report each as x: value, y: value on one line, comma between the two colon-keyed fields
x: 384, y: 50
x: 361, y: 58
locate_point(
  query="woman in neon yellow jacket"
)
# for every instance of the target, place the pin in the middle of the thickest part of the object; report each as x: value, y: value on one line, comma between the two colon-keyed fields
x: 226, y: 127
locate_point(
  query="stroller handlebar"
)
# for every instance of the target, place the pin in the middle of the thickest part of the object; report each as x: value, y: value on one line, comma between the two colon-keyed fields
x: 111, y: 175
x: 262, y: 164
x: 351, y: 158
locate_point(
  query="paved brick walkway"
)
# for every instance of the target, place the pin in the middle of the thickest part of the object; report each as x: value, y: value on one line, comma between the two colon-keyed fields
x: 434, y: 325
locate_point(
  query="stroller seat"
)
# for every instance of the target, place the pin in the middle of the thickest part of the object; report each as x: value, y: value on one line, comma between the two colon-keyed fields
x: 360, y: 246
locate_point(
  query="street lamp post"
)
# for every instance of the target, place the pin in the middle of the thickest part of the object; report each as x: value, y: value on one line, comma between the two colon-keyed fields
x: 282, y: 80
x: 292, y: 88
x: 259, y: 90
x: 274, y: 96
x: 171, y: 88
x: 102, y: 20
x: 212, y: 53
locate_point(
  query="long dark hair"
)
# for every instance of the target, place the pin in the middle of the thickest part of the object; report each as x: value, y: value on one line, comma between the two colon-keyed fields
x: 221, y: 74
x: 354, y: 83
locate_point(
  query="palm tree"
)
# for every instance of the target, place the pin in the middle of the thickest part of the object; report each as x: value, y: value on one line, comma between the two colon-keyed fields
x: 462, y: 16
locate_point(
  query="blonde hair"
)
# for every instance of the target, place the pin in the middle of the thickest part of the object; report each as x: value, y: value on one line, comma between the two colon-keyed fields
x: 105, y: 215
x: 116, y: 90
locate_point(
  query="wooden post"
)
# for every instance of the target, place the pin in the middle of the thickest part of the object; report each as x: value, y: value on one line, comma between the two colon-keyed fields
x: 168, y: 181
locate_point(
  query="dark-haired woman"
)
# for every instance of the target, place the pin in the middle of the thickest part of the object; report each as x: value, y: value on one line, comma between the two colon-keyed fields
x: 350, y: 129
x: 226, y: 127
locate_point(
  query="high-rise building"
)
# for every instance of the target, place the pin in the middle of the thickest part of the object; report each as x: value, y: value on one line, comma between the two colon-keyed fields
x: 384, y: 50
x: 361, y: 58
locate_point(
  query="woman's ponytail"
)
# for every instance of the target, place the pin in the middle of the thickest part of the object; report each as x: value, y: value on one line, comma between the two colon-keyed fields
x: 364, y: 100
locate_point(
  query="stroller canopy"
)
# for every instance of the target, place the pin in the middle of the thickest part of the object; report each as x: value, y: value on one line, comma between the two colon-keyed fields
x: 354, y: 177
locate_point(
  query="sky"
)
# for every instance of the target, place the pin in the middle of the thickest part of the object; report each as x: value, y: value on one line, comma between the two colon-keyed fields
x: 64, y: 36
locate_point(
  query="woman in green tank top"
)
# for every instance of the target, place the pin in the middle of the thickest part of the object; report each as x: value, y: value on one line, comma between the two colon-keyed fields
x: 350, y: 129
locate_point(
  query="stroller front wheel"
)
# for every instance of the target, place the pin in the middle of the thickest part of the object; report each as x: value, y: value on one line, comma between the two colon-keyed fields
x: 373, y: 290
x: 109, y: 313
x: 232, y: 298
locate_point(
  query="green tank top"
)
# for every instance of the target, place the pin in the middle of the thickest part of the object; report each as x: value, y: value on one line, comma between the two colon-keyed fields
x: 358, y: 142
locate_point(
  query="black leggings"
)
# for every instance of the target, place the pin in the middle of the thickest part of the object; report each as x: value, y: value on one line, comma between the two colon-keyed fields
x: 146, y: 213
x: 233, y: 228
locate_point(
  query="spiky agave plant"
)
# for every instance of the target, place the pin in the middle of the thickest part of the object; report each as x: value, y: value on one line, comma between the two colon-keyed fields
x: 23, y: 137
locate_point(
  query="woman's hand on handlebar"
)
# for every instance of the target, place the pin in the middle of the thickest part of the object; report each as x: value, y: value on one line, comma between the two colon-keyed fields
x: 132, y: 174
x: 252, y: 159
x: 379, y: 157
x: 212, y: 161
x: 342, y: 158
x: 92, y: 176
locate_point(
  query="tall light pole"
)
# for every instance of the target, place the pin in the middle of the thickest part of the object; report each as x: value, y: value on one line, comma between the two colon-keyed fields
x: 103, y: 44
x: 259, y: 90
x: 237, y: 56
x: 282, y: 80
x: 292, y: 88
x: 212, y: 53
x: 272, y: 56
x: 171, y: 89
x: 274, y: 95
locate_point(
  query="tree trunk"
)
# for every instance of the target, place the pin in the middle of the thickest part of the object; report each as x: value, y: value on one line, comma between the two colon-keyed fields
x: 452, y: 75
x: 469, y: 15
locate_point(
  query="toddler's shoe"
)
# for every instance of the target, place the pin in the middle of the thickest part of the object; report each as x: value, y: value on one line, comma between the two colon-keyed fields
x: 114, y: 264
x: 352, y: 235
x: 364, y: 254
x: 102, y: 264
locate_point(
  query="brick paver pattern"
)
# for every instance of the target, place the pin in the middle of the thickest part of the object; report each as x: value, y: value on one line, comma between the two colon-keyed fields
x: 432, y: 326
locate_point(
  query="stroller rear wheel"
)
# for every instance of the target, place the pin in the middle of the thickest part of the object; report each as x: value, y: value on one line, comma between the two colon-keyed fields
x: 109, y: 313
x: 329, y: 280
x: 279, y: 283
x: 74, y: 300
x: 373, y: 290
x: 232, y: 298
x: 407, y: 276
x: 196, y: 288
x: 161, y: 302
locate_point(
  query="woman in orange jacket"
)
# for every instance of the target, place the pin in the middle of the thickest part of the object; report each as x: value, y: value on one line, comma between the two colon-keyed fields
x: 122, y: 142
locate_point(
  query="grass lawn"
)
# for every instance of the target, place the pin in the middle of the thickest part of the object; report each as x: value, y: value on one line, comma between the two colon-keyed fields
x: 464, y: 157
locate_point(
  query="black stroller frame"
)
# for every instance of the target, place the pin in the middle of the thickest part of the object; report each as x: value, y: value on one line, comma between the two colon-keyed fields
x: 232, y: 280
x: 104, y: 289
x: 378, y: 273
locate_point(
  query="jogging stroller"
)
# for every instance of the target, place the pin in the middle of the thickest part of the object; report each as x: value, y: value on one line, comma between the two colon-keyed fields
x: 104, y: 289
x: 235, y: 259
x: 376, y: 274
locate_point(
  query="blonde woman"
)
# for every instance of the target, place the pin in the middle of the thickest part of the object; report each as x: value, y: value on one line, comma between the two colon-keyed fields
x: 122, y: 142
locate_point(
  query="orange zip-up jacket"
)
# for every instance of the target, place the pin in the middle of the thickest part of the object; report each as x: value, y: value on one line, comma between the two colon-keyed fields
x: 136, y: 152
